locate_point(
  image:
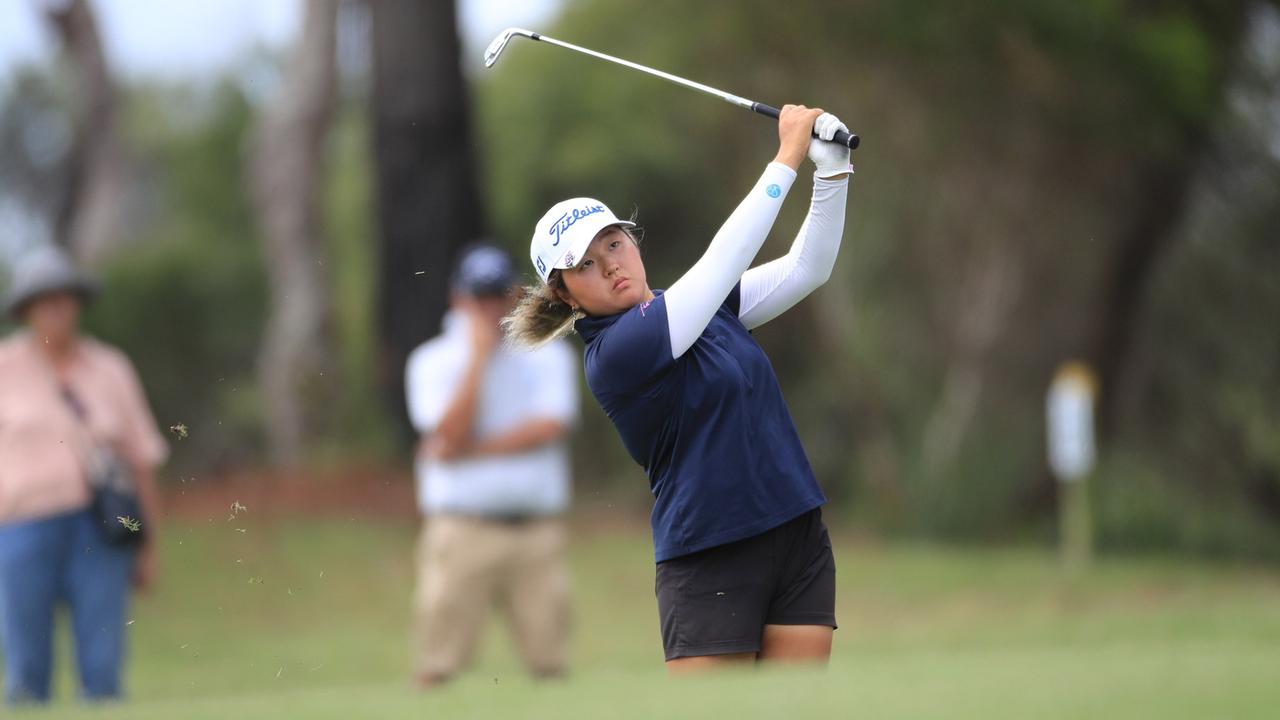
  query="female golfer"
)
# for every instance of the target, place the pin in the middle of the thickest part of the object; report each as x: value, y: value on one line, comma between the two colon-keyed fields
x: 745, y: 570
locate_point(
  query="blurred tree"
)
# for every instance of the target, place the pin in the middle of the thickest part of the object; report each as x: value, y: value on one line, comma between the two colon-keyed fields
x: 187, y: 301
x: 89, y: 220
x: 297, y: 362
x: 35, y: 141
x: 1214, y: 31
x: 425, y: 178
x: 1201, y: 395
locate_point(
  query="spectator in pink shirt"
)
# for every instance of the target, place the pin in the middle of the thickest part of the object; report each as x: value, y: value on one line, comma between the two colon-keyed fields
x: 61, y: 395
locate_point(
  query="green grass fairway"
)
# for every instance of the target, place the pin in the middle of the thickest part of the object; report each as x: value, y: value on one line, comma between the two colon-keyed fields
x: 297, y: 619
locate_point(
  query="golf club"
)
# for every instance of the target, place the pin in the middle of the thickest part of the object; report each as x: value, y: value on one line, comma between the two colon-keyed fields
x: 499, y: 44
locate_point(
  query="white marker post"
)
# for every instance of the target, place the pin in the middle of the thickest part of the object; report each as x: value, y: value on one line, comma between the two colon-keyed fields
x: 1072, y: 453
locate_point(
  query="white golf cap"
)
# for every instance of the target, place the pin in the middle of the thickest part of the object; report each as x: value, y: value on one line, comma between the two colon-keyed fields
x: 566, y: 230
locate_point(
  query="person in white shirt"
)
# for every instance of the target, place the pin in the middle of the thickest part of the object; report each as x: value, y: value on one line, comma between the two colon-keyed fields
x: 493, y: 479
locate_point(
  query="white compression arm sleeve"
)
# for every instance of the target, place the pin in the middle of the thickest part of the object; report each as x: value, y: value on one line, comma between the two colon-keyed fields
x: 771, y: 289
x: 693, y: 299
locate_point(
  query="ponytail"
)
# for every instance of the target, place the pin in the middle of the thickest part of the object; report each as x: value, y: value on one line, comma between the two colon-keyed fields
x: 541, y: 316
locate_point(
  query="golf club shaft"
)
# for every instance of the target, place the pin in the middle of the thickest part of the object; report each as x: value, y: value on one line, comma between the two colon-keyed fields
x: 847, y: 139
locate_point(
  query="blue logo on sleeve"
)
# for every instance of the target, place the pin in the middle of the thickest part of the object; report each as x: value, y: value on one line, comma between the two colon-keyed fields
x: 567, y: 220
x: 773, y: 191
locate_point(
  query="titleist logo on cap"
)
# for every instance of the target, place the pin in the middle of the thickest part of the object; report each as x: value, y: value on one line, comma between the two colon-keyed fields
x: 566, y: 221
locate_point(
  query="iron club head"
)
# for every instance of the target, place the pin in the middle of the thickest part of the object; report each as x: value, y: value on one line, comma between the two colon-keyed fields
x: 499, y: 43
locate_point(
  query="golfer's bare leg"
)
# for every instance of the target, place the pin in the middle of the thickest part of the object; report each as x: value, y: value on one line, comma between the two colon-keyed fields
x: 708, y: 663
x: 796, y: 643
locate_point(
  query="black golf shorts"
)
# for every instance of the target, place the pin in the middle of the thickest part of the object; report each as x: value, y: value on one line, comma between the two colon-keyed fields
x: 717, y: 601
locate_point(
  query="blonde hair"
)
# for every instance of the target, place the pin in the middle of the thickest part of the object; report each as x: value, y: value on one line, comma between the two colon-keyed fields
x: 540, y: 316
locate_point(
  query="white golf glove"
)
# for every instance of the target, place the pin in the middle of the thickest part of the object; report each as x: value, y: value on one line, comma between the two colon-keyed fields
x: 831, y: 159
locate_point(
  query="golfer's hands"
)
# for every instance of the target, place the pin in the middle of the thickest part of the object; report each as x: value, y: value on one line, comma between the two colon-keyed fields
x: 795, y: 128
x: 830, y: 159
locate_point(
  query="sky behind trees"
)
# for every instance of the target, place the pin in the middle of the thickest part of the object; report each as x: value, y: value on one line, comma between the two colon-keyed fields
x: 202, y: 37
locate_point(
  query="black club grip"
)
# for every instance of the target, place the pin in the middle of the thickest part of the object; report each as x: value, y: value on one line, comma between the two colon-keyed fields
x: 846, y: 139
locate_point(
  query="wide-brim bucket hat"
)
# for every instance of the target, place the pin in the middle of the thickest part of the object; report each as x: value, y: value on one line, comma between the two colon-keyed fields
x: 43, y: 270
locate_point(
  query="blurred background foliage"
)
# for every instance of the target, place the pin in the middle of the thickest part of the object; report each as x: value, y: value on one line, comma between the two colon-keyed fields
x: 1039, y: 181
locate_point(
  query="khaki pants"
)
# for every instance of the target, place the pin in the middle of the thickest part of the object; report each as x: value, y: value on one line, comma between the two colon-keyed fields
x: 466, y: 564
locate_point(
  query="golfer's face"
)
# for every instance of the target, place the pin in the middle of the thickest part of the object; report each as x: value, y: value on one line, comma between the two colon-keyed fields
x: 610, y: 278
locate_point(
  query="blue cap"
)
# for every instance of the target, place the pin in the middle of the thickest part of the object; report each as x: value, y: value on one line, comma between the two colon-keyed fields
x: 484, y: 270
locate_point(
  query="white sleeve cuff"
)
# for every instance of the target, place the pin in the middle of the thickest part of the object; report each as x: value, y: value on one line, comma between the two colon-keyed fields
x: 775, y: 165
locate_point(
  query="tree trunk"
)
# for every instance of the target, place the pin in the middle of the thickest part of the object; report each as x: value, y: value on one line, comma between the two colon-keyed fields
x: 88, y: 222
x: 1150, y: 236
x: 1129, y: 271
x: 427, y: 203
x: 286, y: 177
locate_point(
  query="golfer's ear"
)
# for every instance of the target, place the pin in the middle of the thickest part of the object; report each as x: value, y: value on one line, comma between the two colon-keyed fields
x: 565, y: 297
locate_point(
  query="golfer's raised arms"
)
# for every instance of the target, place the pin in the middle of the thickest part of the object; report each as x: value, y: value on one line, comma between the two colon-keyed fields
x: 694, y: 298
x: 771, y: 289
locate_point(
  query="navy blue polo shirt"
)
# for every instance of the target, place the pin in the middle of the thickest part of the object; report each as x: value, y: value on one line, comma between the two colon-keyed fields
x: 710, y: 427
